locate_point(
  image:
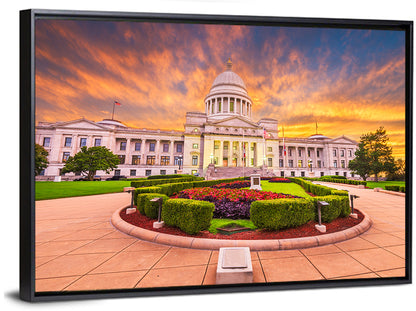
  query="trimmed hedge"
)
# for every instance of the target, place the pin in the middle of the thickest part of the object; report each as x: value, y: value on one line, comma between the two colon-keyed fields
x: 172, y: 176
x: 340, y: 192
x: 154, y: 182
x: 150, y: 209
x: 191, y: 216
x: 339, y: 206
x: 392, y: 187
x: 312, y: 188
x: 282, y: 213
x: 334, y: 176
x: 402, y: 188
x: 344, y: 181
x: 137, y: 191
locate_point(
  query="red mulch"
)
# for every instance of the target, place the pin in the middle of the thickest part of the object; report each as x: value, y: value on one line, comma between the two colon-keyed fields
x: 305, y: 230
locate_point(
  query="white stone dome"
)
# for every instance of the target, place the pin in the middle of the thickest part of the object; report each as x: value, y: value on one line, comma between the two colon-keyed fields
x: 228, y: 82
x: 228, y: 96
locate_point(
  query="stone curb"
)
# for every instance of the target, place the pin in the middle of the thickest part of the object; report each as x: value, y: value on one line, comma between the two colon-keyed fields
x: 254, y: 245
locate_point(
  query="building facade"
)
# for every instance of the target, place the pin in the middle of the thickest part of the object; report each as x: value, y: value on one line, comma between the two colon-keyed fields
x: 222, y: 141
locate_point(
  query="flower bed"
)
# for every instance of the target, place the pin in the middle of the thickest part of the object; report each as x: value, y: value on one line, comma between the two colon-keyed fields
x: 230, y: 203
x: 232, y: 185
x: 279, y: 180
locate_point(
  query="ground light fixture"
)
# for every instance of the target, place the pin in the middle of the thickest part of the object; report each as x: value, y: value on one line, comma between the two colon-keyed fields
x: 319, y: 226
x: 352, y: 197
x: 159, y: 223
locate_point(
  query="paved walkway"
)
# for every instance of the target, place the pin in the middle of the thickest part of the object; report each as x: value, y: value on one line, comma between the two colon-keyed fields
x: 77, y: 248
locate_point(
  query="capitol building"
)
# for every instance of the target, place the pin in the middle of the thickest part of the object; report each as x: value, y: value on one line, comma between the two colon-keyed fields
x: 222, y: 141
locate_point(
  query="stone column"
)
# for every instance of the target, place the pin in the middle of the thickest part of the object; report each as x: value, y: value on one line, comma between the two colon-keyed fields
x: 171, y: 150
x: 157, y: 152
x: 143, y: 150
x: 128, y: 153
x: 221, y: 156
x: 296, y: 157
x: 74, y: 146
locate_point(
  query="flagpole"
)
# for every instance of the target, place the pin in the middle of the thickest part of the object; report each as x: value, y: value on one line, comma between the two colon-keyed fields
x: 244, y: 155
x: 264, y: 147
x: 112, y: 116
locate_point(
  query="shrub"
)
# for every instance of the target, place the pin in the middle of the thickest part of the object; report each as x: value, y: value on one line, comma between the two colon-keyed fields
x: 154, y: 182
x: 334, y: 176
x: 232, y: 185
x: 344, y: 181
x: 312, y: 188
x: 340, y: 192
x: 392, y: 187
x: 339, y: 206
x: 150, y: 209
x: 144, y: 190
x: 191, y: 216
x: 174, y: 176
x: 282, y: 213
x: 402, y: 188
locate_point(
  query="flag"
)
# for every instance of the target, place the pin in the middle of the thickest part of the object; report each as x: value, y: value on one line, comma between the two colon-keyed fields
x: 117, y: 103
x: 264, y: 132
x: 244, y: 150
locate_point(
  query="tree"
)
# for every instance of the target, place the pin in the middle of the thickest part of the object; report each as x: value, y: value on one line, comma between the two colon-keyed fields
x: 374, y: 155
x: 90, y: 160
x: 41, y: 159
x: 400, y: 171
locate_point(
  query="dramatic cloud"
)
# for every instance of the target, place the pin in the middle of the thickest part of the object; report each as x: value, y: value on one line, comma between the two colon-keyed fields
x: 348, y: 81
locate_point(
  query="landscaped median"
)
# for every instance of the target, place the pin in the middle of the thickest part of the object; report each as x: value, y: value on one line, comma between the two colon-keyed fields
x: 188, y: 210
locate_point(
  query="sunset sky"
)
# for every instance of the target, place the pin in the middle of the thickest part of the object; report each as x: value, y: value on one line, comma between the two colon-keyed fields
x: 350, y: 81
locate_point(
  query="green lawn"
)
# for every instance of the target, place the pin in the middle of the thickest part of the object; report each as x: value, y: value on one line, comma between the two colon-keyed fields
x: 286, y: 188
x: 221, y: 222
x: 45, y: 190
x: 382, y: 184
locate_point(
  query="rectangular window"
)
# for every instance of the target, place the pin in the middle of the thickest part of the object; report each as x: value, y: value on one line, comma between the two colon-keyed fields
x: 68, y: 141
x: 165, y: 147
x: 135, y: 160
x: 216, y: 146
x: 148, y: 172
x: 302, y: 174
x: 337, y: 173
x: 269, y: 149
x: 162, y: 172
x: 46, y: 142
x: 345, y: 174
x: 290, y: 163
x: 280, y: 151
x: 123, y: 145
x: 309, y: 153
x: 195, y: 146
x: 65, y: 156
x: 231, y: 106
x: 42, y: 173
x: 194, y: 160
x: 334, y: 152
x: 290, y: 152
x: 292, y: 173
x: 132, y: 172
x: 164, y: 160
x: 97, y: 142
x: 342, y: 163
x: 251, y: 161
x: 152, y: 146
x: 179, y: 147
x: 350, y: 153
x: 137, y: 146
x: 319, y: 164
x: 280, y: 162
x: 225, y: 146
x: 117, y: 173
x: 269, y: 162
x: 282, y: 173
x: 151, y: 160
x: 342, y: 153
x: 234, y: 147
x: 83, y: 142
x: 219, y: 106
x: 300, y: 152
x: 335, y: 163
x: 122, y: 158
x: 252, y: 148
x: 300, y: 163
x: 322, y: 174
x: 317, y: 153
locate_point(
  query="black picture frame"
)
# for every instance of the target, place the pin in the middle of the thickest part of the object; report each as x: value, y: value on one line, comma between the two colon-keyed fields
x: 27, y: 134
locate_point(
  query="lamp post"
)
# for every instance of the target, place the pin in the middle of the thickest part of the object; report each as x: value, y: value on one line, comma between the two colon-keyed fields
x: 319, y: 226
x: 352, y: 197
x: 180, y: 162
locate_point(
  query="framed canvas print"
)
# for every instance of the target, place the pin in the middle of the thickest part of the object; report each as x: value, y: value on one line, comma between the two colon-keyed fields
x: 173, y: 154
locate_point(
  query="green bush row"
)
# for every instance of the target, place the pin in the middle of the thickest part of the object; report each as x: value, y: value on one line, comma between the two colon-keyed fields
x: 344, y: 181
x: 138, y: 191
x: 148, y: 208
x: 154, y: 182
x: 402, y: 188
x: 339, y: 206
x: 393, y: 188
x: 281, y: 213
x: 312, y: 188
x: 172, y: 176
x: 290, y: 213
x: 191, y: 216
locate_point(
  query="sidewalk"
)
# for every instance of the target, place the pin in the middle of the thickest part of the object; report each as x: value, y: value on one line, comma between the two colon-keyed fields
x: 77, y: 248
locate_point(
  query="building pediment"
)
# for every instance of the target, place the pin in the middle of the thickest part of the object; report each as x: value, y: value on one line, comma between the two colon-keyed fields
x: 235, y: 122
x: 80, y: 124
x: 343, y: 140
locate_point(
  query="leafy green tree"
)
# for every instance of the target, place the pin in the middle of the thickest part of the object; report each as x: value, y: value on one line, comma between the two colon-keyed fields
x: 400, y: 171
x: 90, y: 160
x: 374, y: 155
x: 41, y: 159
